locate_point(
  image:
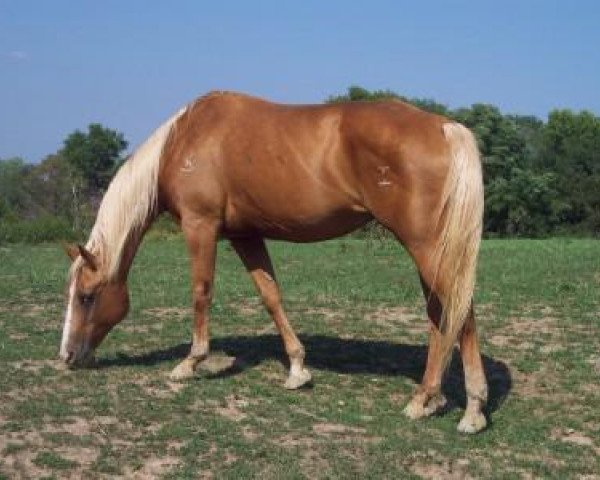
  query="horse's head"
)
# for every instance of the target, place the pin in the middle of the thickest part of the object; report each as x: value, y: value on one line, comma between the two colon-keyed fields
x: 95, y: 304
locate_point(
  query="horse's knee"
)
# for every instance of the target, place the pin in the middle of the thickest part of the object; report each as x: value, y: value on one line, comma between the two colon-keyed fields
x: 202, y: 296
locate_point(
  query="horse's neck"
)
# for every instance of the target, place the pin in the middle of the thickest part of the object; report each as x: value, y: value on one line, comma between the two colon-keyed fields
x: 133, y: 242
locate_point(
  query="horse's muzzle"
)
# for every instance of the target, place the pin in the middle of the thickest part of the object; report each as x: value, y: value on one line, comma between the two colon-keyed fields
x: 73, y: 361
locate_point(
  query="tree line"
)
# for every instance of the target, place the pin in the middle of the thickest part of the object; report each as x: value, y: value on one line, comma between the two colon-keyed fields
x: 541, y: 177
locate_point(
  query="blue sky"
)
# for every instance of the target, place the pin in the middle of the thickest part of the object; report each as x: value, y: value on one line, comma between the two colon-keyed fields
x: 130, y: 64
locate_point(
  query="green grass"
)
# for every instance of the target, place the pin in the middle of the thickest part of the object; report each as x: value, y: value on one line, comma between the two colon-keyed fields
x: 358, y: 309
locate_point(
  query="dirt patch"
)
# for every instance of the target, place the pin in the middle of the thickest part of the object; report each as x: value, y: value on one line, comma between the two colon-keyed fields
x: 430, y: 464
x: 20, y: 450
x: 33, y: 310
x: 249, y: 433
x: 539, y: 384
x: 293, y: 440
x: 232, y: 408
x: 168, y: 312
x: 34, y: 366
x: 76, y: 426
x: 447, y: 470
x: 350, y: 443
x: 574, y: 437
x: 526, y: 341
x: 594, y: 361
x: 312, y: 462
x: 551, y: 348
x: 304, y: 412
x: 18, y: 336
x: 530, y: 327
x: 247, y: 307
x: 329, y: 315
x: 543, y: 334
x: 412, y: 321
x: 83, y: 456
x: 25, y: 309
x: 344, y: 433
x: 501, y: 340
x: 20, y: 465
x: 143, y: 328
x: 154, y: 467
x: 165, y: 390
x: 336, y: 429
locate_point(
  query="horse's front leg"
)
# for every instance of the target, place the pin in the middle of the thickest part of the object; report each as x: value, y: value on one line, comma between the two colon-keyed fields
x: 255, y: 256
x: 201, y: 238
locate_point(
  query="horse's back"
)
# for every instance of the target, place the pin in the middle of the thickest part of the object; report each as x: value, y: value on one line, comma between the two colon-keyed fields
x: 302, y: 172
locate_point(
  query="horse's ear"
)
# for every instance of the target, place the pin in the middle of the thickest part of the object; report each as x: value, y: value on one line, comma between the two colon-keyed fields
x: 71, y: 250
x: 88, y: 256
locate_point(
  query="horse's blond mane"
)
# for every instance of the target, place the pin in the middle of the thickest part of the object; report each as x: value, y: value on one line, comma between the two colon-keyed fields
x: 130, y: 199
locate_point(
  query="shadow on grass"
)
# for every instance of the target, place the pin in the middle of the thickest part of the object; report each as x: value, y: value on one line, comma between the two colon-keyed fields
x: 338, y: 355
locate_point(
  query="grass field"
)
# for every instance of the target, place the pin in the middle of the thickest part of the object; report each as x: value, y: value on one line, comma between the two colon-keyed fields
x: 359, y: 311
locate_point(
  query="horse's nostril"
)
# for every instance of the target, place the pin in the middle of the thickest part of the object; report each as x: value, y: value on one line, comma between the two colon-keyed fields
x: 69, y: 357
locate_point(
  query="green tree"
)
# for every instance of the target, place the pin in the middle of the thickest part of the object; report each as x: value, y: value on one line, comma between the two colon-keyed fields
x: 360, y: 94
x: 571, y: 149
x: 531, y: 130
x: 500, y: 145
x: 57, y: 186
x: 16, y: 198
x: 525, y: 203
x: 95, y: 154
x: 519, y: 199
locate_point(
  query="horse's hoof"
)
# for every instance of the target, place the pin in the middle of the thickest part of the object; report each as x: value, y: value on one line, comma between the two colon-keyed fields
x: 298, y: 380
x: 183, y: 371
x: 472, y: 423
x: 435, y: 404
x: 415, y: 408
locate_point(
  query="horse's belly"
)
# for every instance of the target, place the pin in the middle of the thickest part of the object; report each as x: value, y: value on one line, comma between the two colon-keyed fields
x: 295, y: 223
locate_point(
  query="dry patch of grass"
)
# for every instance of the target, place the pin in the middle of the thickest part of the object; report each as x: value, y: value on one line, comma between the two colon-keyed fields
x: 29, y: 454
x: 248, y: 307
x: 167, y: 312
x: 441, y: 469
x: 35, y: 366
x: 412, y: 321
x: 574, y: 437
x: 152, y: 467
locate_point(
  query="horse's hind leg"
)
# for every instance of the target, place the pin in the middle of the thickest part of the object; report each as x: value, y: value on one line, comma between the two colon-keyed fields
x: 253, y: 253
x: 475, y: 382
x: 201, y: 239
x: 428, y: 398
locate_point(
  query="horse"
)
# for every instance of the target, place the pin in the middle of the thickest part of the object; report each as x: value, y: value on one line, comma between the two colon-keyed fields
x: 237, y: 167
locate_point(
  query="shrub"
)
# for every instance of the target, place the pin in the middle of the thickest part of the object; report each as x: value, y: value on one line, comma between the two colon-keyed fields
x: 42, y: 229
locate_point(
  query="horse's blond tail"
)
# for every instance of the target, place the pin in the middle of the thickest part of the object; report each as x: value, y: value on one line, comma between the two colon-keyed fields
x: 460, y: 227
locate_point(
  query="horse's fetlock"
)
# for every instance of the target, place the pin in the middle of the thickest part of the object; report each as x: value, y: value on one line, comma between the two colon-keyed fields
x: 199, y: 350
x: 480, y: 394
x: 297, y: 353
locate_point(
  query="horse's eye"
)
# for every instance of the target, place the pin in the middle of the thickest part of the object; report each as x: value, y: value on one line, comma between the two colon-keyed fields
x: 86, y: 299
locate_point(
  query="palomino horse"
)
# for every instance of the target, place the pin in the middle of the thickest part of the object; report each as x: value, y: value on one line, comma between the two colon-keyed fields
x: 233, y: 166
